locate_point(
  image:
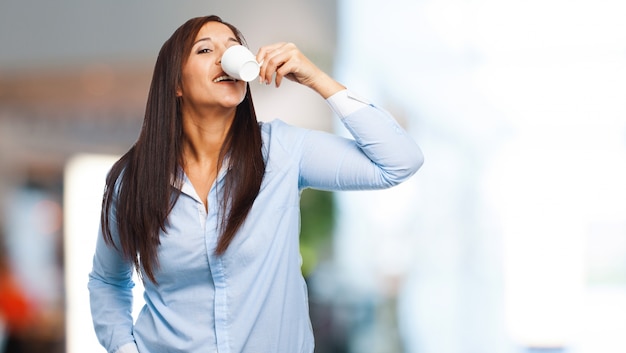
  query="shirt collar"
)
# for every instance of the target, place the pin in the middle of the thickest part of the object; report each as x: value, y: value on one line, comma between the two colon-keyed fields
x: 185, y: 184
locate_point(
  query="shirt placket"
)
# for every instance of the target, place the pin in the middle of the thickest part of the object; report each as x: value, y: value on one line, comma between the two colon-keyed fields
x: 216, y: 266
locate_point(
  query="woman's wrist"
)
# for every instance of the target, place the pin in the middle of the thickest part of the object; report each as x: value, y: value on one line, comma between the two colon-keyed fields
x: 326, y: 86
x: 344, y: 103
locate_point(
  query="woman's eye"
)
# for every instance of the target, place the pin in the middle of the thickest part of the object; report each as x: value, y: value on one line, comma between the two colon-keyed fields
x: 202, y: 51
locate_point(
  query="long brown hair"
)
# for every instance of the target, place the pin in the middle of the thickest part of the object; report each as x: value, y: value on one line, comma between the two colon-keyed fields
x: 144, y: 184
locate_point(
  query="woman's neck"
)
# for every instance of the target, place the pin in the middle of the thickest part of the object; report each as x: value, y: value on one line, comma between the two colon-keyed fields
x: 205, y: 135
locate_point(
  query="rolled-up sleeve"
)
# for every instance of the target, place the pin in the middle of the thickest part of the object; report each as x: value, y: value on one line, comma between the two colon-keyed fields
x: 380, y: 155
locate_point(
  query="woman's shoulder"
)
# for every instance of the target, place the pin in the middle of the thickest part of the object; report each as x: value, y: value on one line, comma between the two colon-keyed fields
x: 276, y: 124
x: 281, y: 141
x: 281, y: 131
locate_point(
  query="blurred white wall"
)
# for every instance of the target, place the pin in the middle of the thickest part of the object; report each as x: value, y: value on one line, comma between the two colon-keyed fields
x: 519, y: 109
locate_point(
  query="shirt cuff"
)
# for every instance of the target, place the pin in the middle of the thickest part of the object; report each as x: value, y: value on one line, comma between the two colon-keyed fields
x: 344, y: 103
x: 128, y: 348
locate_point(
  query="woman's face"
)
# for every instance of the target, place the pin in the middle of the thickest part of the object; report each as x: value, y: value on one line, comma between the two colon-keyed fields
x: 204, y: 83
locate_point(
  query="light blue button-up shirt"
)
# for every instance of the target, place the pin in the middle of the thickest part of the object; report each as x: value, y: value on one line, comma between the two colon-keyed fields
x: 253, y: 298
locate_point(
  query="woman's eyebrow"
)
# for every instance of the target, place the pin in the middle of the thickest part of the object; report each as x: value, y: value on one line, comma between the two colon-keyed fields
x: 202, y: 40
x: 209, y: 39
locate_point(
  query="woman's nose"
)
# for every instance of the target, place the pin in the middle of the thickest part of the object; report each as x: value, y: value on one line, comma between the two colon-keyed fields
x: 220, y: 54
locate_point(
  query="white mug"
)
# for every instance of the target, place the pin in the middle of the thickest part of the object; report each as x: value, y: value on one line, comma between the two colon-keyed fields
x: 239, y: 63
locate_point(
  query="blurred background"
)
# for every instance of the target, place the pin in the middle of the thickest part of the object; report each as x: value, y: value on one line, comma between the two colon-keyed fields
x: 510, y: 239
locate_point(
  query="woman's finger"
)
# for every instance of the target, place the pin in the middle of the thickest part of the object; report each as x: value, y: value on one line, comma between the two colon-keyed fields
x: 264, y: 56
x: 285, y: 60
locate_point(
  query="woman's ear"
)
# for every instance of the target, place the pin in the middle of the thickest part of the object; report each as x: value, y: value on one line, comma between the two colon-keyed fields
x: 179, y: 92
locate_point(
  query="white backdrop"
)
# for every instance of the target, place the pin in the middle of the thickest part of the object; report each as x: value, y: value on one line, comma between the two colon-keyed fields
x: 499, y: 239
x: 83, y: 187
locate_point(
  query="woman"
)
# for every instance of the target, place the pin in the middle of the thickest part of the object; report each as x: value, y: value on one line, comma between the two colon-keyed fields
x: 205, y: 205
